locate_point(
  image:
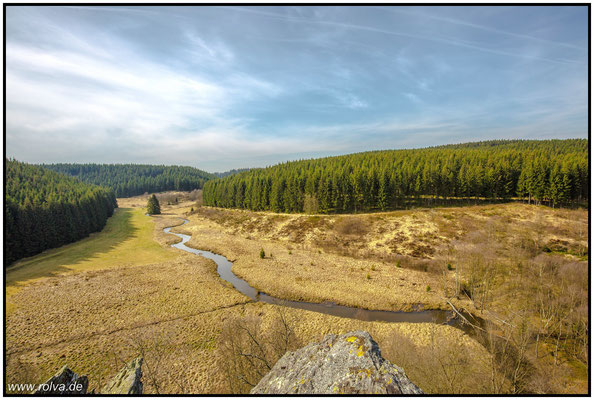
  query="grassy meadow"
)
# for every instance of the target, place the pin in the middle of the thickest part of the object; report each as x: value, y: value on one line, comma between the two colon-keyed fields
x: 97, y: 303
x: 126, y: 240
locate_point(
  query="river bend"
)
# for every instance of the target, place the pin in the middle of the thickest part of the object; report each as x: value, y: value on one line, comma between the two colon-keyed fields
x: 224, y: 269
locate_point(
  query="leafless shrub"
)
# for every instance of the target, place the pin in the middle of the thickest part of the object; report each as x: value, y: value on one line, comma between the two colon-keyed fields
x: 424, y: 265
x: 249, y: 352
x: 508, y: 343
x: 354, y: 226
x: 155, y: 349
x: 476, y: 257
x: 168, y: 198
x: 195, y: 195
x: 442, y: 366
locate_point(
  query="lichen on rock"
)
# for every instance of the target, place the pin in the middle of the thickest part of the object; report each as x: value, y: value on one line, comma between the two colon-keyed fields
x: 347, y: 364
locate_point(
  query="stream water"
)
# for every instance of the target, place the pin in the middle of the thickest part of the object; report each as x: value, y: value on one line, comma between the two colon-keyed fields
x: 224, y: 270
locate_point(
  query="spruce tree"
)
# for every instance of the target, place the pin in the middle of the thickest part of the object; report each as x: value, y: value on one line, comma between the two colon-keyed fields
x: 44, y: 209
x: 553, y: 171
x: 152, y: 206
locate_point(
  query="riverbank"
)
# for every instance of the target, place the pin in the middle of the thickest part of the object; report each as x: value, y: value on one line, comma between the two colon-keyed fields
x: 506, y: 257
x: 299, y: 272
x: 94, y: 320
x: 225, y: 272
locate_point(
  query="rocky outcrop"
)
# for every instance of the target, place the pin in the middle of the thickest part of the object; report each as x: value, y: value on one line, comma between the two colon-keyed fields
x: 127, y: 381
x: 64, y: 382
x: 349, y: 364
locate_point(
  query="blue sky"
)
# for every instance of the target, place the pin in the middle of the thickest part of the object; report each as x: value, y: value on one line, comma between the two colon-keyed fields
x: 230, y: 87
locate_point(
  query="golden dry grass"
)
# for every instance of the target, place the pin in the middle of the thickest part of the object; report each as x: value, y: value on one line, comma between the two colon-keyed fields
x: 344, y: 258
x: 350, y: 259
x: 308, y: 275
x: 420, y: 233
x: 126, y: 240
x: 93, y: 317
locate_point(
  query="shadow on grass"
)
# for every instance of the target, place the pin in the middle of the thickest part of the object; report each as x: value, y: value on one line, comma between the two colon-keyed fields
x: 53, y: 262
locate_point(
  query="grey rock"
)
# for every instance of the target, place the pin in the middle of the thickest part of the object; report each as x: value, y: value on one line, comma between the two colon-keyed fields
x: 348, y: 364
x: 64, y: 382
x: 127, y: 381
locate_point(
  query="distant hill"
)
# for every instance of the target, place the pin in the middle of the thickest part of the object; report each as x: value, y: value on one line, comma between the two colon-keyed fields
x: 44, y: 209
x: 129, y: 180
x: 230, y: 172
x: 551, y: 171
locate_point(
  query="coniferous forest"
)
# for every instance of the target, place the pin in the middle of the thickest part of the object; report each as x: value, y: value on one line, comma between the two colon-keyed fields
x: 553, y: 172
x: 129, y: 180
x: 44, y: 209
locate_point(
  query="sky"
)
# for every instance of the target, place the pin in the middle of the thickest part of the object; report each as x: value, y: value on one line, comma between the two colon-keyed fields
x: 222, y: 87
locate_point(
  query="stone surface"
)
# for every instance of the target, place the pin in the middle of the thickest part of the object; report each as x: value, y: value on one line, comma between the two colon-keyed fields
x: 349, y: 364
x: 127, y: 381
x: 64, y: 382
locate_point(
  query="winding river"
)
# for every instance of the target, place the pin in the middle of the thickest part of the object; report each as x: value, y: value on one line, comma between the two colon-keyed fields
x: 224, y: 270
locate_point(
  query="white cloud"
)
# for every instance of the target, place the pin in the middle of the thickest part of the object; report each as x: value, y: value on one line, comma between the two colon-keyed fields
x: 217, y: 90
x: 77, y: 102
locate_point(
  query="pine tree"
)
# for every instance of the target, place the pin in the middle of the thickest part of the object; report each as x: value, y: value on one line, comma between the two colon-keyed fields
x: 392, y: 179
x: 45, y: 209
x: 152, y: 206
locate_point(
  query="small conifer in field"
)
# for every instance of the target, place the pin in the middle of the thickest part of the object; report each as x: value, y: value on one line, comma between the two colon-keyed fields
x: 152, y: 206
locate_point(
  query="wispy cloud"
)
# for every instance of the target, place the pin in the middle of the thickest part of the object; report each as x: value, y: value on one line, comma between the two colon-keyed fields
x: 404, y: 11
x: 236, y: 86
x: 435, y: 38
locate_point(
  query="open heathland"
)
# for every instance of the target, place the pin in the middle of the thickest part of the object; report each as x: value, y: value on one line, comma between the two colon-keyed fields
x: 103, y: 309
x: 520, y: 267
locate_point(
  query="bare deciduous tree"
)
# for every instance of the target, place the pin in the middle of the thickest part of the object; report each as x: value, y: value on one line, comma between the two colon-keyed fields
x: 249, y: 352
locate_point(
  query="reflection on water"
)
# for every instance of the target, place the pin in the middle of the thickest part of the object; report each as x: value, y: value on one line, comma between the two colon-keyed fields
x: 224, y: 270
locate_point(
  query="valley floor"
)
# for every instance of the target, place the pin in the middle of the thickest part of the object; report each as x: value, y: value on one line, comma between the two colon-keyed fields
x: 99, y: 302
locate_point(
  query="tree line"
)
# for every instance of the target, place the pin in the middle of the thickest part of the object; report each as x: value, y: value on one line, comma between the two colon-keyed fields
x: 129, y: 180
x: 44, y: 209
x: 555, y: 172
x: 230, y: 172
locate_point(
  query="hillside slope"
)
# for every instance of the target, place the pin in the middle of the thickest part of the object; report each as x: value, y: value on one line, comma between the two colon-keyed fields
x: 129, y: 180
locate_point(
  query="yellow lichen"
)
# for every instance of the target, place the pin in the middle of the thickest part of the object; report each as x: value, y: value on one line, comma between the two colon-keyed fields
x: 360, y: 351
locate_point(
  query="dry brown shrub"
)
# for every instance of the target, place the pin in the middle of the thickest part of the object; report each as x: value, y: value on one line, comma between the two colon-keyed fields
x: 443, y: 366
x: 156, y: 352
x: 352, y: 226
x: 249, y: 350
